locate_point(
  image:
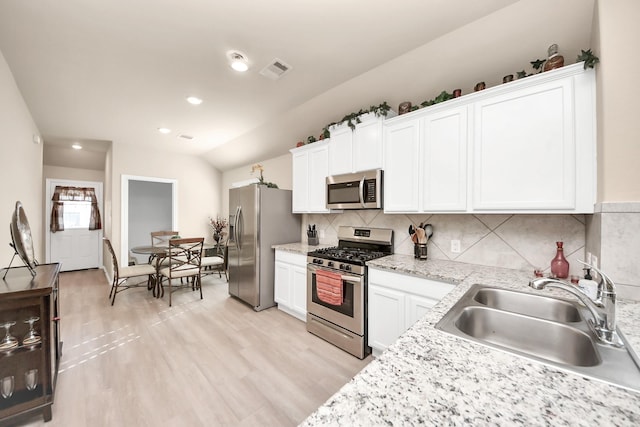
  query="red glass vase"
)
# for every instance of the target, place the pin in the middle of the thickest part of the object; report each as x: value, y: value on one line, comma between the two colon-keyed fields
x: 559, y: 264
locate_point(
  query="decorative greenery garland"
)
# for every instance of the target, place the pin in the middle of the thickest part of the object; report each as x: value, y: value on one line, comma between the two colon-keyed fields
x: 352, y: 119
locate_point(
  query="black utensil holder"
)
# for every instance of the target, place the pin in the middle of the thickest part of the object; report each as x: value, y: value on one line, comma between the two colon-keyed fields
x: 420, y: 250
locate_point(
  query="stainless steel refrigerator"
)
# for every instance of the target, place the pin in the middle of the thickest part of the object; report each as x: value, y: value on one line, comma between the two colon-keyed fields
x: 259, y: 217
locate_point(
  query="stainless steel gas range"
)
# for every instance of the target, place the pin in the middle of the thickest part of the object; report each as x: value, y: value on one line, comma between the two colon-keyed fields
x: 337, y: 287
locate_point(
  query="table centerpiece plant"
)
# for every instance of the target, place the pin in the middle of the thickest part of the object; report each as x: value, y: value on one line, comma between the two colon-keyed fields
x: 217, y: 226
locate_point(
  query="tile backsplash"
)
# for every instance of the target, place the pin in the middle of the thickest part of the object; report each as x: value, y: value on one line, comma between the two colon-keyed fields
x: 510, y: 241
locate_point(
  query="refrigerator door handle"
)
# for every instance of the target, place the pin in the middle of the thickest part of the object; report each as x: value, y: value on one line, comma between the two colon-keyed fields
x: 237, y: 227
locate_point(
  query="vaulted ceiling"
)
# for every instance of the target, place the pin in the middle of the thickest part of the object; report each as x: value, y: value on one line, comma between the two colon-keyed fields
x: 116, y: 71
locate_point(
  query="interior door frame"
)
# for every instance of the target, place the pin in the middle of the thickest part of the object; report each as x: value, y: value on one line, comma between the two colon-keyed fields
x: 124, y: 207
x: 97, y: 185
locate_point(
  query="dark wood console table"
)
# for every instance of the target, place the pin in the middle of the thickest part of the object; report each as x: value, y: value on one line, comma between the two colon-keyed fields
x: 26, y: 391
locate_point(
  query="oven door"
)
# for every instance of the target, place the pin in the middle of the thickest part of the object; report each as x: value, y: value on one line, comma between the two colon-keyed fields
x: 348, y: 315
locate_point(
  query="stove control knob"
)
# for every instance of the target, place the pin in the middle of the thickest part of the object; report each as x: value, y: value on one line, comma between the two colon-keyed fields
x: 347, y: 267
x: 330, y: 264
x: 317, y: 261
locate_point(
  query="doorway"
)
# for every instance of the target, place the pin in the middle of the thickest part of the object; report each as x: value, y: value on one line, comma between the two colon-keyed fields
x: 76, y: 247
x: 148, y: 204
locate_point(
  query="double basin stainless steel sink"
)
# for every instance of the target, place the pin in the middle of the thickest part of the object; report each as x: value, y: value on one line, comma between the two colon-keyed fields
x: 550, y: 330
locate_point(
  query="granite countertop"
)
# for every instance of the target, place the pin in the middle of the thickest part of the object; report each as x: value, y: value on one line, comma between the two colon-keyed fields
x: 430, y: 377
x: 299, y: 248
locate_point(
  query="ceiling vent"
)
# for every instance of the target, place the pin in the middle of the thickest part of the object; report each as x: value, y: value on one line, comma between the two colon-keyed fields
x: 185, y: 137
x: 276, y: 69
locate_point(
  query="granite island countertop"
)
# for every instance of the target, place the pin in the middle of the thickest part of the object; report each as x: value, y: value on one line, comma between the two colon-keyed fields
x: 428, y: 377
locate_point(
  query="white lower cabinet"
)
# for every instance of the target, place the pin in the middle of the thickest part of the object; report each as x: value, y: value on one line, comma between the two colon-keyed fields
x: 290, y: 283
x: 396, y: 302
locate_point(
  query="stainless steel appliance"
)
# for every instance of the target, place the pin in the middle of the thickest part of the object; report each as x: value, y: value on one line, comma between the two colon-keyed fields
x: 259, y: 217
x: 360, y: 190
x: 345, y: 324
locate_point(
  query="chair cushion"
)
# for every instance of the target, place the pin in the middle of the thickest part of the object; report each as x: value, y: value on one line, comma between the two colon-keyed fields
x: 136, y: 270
x: 211, y: 261
x: 181, y: 271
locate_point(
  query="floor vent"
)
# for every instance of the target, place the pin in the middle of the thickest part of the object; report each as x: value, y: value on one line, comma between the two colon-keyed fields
x: 276, y: 69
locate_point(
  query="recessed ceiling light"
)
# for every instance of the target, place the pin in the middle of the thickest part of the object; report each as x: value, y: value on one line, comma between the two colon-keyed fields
x: 76, y: 146
x: 164, y: 130
x: 238, y: 61
x: 194, y: 100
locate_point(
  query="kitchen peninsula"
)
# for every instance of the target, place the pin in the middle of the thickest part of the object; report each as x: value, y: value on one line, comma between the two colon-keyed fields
x: 430, y: 377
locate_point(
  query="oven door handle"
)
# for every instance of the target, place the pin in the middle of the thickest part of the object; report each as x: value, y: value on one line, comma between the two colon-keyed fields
x: 353, y: 279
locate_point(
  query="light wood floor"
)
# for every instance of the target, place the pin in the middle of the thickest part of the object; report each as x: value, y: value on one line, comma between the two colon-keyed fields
x: 199, y: 363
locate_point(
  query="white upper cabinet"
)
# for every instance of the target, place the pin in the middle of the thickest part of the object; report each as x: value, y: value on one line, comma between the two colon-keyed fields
x: 310, y: 167
x: 360, y: 149
x: 523, y: 147
x: 402, y: 166
x: 341, y: 150
x: 444, y: 160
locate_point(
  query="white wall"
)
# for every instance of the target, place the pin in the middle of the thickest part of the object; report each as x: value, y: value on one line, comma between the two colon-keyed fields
x: 616, y: 37
x: 73, y: 174
x: 199, y: 186
x: 276, y: 170
x: 21, y: 171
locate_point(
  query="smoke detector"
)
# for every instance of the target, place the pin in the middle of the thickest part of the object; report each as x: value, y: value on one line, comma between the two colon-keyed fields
x: 276, y: 69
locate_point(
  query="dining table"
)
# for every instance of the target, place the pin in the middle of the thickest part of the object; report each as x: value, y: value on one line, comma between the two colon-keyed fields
x: 157, y: 253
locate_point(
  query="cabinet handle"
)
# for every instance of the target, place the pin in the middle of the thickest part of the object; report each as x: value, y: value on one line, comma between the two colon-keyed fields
x: 55, y: 319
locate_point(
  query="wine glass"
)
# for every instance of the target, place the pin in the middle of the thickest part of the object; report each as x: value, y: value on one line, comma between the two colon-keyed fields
x: 31, y: 379
x: 32, y: 337
x: 6, y: 386
x: 9, y: 342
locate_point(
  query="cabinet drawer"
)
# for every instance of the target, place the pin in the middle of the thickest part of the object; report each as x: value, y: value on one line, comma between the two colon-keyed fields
x: 291, y: 258
x: 433, y: 289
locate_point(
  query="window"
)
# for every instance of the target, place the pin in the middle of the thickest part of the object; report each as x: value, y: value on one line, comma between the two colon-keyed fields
x: 75, y: 207
x: 76, y: 215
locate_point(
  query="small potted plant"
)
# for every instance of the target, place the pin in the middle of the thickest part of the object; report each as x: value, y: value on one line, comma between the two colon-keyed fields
x: 217, y: 226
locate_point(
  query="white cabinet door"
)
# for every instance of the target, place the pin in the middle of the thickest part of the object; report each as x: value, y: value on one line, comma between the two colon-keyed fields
x: 282, y: 283
x: 402, y: 166
x: 386, y: 316
x: 444, y: 138
x: 341, y: 150
x: 318, y: 171
x: 367, y: 145
x: 300, y: 184
x: 310, y: 167
x: 299, y: 290
x: 524, y: 149
x: 417, y: 307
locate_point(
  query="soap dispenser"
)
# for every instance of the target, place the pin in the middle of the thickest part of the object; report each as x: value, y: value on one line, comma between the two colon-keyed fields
x: 559, y: 264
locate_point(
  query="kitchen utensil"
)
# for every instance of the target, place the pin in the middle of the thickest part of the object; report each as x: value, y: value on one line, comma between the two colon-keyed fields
x: 428, y: 229
x: 421, y: 235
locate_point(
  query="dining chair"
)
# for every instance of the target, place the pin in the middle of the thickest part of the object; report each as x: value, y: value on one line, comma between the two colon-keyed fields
x: 216, y: 263
x: 121, y: 275
x: 185, y: 257
x: 161, y: 238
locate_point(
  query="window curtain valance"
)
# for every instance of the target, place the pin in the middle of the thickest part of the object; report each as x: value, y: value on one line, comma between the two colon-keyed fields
x: 74, y: 194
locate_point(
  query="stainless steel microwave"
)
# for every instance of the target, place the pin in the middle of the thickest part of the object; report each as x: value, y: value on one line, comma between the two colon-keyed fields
x: 360, y: 190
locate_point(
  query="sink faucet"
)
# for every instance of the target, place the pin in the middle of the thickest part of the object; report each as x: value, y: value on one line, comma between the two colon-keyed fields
x: 603, y: 308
